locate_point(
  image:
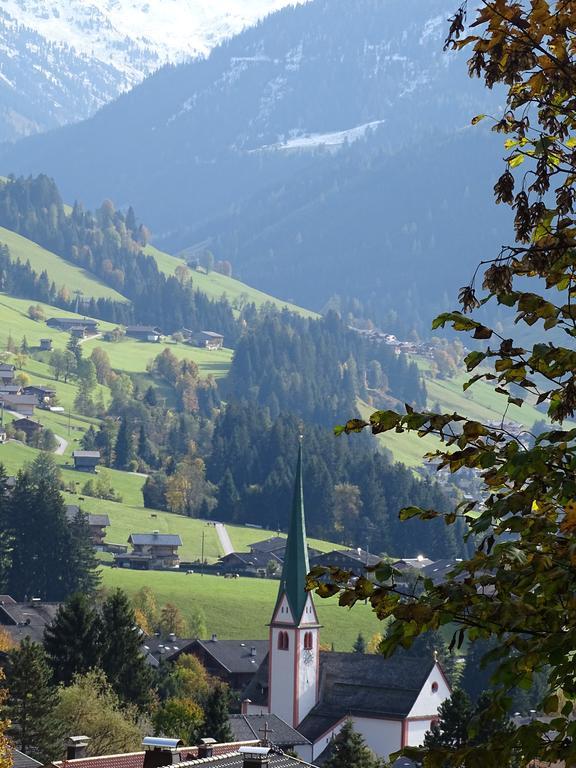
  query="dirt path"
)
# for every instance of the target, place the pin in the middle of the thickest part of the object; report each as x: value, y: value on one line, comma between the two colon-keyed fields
x: 224, y: 538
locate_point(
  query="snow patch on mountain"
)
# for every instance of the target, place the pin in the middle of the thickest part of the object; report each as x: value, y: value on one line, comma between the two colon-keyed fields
x: 331, y: 141
x: 137, y: 36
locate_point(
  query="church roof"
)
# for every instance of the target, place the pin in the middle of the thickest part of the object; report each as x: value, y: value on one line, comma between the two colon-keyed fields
x: 296, y: 566
x: 247, y: 727
x: 365, y: 685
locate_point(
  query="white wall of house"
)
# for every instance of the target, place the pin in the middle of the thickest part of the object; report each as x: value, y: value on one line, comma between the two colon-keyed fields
x: 416, y: 731
x: 434, y: 691
x: 382, y: 736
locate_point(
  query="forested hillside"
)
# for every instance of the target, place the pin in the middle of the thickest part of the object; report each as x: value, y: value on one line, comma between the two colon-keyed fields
x: 329, y: 117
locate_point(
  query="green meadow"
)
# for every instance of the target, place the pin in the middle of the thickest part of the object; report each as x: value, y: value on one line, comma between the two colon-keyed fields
x: 240, y: 609
x: 62, y: 272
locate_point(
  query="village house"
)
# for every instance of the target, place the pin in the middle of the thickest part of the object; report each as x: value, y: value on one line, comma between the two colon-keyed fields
x: 249, y: 563
x: 392, y: 702
x: 7, y: 373
x: 23, y: 404
x: 86, y: 461
x: 354, y: 560
x: 29, y: 426
x: 208, y: 340
x: 43, y: 395
x: 46, y: 345
x: 151, y: 551
x: 233, y: 661
x: 3, y: 435
x: 67, y: 323
x: 96, y: 523
x: 144, y: 332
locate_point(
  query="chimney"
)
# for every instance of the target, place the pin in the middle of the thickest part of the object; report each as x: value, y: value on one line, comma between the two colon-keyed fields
x: 255, y: 757
x: 244, y: 707
x: 214, y: 638
x: 76, y: 747
x: 252, y: 651
x: 206, y: 748
x: 160, y: 752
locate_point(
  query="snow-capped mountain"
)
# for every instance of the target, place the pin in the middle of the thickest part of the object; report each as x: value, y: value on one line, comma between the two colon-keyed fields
x: 60, y: 60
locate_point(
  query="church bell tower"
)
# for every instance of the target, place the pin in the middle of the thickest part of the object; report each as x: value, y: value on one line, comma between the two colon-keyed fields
x: 294, y: 656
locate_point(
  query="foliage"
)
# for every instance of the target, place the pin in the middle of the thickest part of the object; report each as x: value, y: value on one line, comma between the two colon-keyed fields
x: 91, y: 707
x: 72, y: 640
x: 518, y: 585
x: 216, y: 710
x: 6, y: 760
x: 121, y: 658
x: 172, y: 621
x: 45, y: 556
x: 359, y: 644
x: 31, y: 701
x: 348, y: 750
x: 179, y: 719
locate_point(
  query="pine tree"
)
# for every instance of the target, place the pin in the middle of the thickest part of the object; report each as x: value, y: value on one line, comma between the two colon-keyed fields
x: 122, y: 659
x: 83, y: 566
x: 75, y: 348
x: 31, y: 701
x: 216, y: 711
x: 451, y: 729
x: 72, y: 641
x: 124, y: 450
x: 359, y: 644
x: 349, y: 750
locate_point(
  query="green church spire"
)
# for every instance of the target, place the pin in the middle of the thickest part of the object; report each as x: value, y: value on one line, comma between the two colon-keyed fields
x: 296, y: 567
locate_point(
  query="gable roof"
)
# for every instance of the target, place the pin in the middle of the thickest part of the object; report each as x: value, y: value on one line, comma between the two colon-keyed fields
x: 72, y: 510
x: 235, y: 656
x: 20, y: 760
x: 296, y: 566
x: 254, y: 559
x: 246, y: 727
x: 86, y: 454
x: 22, y: 620
x: 236, y: 760
x: 269, y: 545
x: 161, y: 539
x: 354, y: 555
x: 366, y: 685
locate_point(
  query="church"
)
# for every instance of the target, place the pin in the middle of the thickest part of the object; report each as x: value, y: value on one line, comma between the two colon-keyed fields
x: 392, y: 702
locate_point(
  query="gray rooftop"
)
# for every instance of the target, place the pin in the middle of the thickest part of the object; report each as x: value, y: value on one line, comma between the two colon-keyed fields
x: 247, y: 727
x: 269, y: 545
x: 85, y: 454
x: 22, y: 620
x: 236, y: 655
x: 236, y: 760
x: 365, y: 685
x: 161, y: 539
x: 72, y: 510
x: 20, y: 760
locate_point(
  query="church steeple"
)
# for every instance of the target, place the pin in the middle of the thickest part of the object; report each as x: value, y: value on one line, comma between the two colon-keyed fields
x: 296, y: 566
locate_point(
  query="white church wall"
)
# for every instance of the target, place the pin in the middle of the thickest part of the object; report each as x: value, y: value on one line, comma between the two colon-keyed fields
x: 282, y: 676
x: 416, y: 732
x: 434, y: 691
x: 382, y: 736
x: 283, y: 615
x: 254, y: 709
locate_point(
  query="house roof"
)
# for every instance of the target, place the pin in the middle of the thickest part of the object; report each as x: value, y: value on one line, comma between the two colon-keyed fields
x: 235, y: 656
x: 20, y: 760
x: 161, y: 539
x: 354, y: 555
x: 39, y: 388
x: 86, y: 454
x: 22, y: 620
x: 10, y: 389
x: 236, y: 760
x: 296, y: 566
x: 412, y: 562
x: 28, y: 421
x: 102, y: 521
x: 438, y: 570
x: 7, y: 367
x: 167, y: 648
x: 254, y: 559
x: 15, y: 399
x: 72, y: 320
x: 366, y: 685
x: 246, y: 727
x: 269, y: 545
x: 210, y: 334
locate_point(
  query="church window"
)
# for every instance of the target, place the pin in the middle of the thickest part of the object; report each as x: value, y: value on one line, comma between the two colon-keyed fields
x: 308, y: 641
x: 434, y: 687
x: 283, y: 642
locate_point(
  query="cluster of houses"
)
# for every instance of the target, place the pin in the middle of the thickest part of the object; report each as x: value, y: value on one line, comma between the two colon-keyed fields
x: 83, y: 328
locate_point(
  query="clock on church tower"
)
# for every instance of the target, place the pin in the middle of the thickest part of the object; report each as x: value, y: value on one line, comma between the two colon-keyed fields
x: 294, y: 630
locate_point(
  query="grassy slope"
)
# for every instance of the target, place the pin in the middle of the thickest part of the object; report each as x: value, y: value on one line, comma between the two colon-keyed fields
x: 62, y: 272
x: 241, y: 608
x: 215, y: 285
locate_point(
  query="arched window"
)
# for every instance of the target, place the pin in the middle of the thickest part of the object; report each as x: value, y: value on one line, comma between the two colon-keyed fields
x: 434, y: 687
x: 283, y: 642
x: 308, y: 641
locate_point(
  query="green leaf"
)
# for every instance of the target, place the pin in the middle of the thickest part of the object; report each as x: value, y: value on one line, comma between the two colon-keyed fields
x: 515, y: 161
x: 383, y: 421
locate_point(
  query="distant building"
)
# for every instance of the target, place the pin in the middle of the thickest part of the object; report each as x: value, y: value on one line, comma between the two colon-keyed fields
x: 7, y: 373
x: 208, y: 340
x: 10, y: 389
x: 46, y: 345
x: 97, y: 524
x: 27, y: 425
x: 274, y: 544
x: 23, y: 404
x: 144, y: 332
x: 86, y: 461
x: 26, y: 619
x: 67, y: 323
x: 151, y: 551
x: 355, y: 560
x: 233, y: 661
x: 43, y: 394
x: 78, y: 331
x: 248, y: 563
x: 3, y: 436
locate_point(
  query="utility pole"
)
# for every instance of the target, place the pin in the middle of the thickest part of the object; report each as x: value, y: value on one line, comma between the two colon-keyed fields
x: 202, y: 557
